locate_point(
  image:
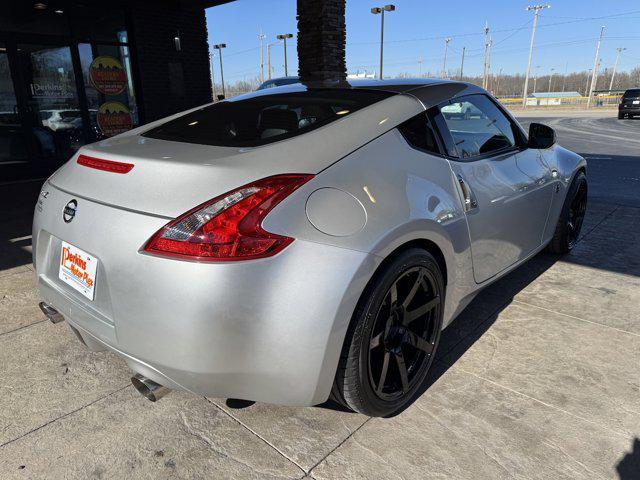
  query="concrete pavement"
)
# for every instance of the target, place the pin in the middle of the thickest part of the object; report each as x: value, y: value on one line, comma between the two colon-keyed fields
x: 538, y: 378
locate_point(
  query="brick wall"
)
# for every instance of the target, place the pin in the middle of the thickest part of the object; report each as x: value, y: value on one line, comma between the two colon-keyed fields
x: 321, y: 40
x: 169, y: 81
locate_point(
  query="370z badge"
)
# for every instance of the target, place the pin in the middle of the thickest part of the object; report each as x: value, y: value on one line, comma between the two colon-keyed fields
x: 69, y: 211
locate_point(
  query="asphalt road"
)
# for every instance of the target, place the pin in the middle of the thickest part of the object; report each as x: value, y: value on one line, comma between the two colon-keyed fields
x: 612, y: 150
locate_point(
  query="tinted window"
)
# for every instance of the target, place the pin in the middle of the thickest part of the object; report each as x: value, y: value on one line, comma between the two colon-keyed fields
x: 419, y: 134
x: 260, y: 119
x: 477, y: 126
x: 635, y: 92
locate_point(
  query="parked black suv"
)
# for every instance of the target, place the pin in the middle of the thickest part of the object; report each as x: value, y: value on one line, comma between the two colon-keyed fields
x: 630, y: 103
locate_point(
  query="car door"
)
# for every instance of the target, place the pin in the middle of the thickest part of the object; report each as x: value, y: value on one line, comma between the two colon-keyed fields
x: 506, y: 187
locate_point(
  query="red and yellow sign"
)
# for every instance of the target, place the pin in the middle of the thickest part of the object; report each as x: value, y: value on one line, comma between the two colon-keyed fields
x: 107, y: 75
x: 114, y: 118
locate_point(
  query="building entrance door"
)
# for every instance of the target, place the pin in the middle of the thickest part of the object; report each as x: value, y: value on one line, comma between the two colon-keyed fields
x: 50, y: 107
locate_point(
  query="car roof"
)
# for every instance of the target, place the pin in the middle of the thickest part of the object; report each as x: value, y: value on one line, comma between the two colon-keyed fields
x: 395, y: 85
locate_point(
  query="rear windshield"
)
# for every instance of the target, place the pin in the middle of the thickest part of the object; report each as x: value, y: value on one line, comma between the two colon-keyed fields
x: 263, y: 119
x: 632, y: 93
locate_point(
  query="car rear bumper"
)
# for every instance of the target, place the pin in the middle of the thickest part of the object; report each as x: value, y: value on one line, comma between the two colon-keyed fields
x: 269, y: 330
x: 629, y: 110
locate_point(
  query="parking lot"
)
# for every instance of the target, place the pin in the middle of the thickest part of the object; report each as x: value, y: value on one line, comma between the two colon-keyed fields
x: 538, y: 378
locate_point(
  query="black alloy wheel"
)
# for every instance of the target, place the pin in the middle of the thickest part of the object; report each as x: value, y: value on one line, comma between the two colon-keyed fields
x: 569, y: 224
x: 404, y: 333
x: 393, y: 336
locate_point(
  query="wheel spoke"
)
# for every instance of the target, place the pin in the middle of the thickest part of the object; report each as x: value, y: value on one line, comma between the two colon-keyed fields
x: 414, y: 289
x: 418, y: 342
x: 394, y: 293
x: 383, y: 373
x: 404, y: 377
x: 376, y: 341
x: 420, y: 311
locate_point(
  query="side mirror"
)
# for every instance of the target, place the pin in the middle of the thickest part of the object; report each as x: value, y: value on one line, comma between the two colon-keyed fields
x: 541, y: 136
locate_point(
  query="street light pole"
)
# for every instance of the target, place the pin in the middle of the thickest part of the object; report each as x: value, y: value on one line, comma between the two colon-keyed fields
x: 284, y: 37
x: 381, y: 10
x: 535, y: 79
x: 219, y: 47
x: 444, y: 64
x: 550, y: 77
x: 615, y: 66
x: 464, y: 49
x: 594, y: 74
x: 213, y: 78
x: 536, y: 11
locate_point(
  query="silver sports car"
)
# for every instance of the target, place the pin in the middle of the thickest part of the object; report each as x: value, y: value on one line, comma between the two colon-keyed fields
x: 300, y: 242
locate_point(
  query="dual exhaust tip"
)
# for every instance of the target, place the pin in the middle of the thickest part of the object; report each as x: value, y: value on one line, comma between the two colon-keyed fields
x: 147, y: 387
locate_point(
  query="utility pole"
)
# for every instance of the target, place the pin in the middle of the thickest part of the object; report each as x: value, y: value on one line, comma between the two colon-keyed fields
x: 615, y: 66
x: 596, y: 62
x: 535, y: 79
x: 213, y: 78
x: 536, y: 11
x: 550, y: 77
x: 586, y: 88
x: 284, y: 37
x: 261, y: 37
x: 464, y: 49
x: 269, y: 45
x: 444, y: 64
x: 489, y: 61
x: 486, y: 47
x: 498, y: 83
x: 420, y: 66
x: 564, y: 78
x: 219, y: 47
x: 381, y: 10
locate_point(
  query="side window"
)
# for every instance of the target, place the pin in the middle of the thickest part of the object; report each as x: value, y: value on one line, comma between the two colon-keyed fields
x: 418, y: 133
x: 477, y: 126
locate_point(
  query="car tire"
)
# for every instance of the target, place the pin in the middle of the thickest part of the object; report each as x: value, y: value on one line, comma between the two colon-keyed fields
x: 571, y: 218
x: 392, y: 337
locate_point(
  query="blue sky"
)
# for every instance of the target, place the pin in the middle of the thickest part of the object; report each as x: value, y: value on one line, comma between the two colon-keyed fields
x: 567, y: 33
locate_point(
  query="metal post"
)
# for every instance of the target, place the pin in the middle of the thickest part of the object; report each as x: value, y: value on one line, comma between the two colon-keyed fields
x: 444, y: 64
x: 564, y: 78
x: 615, y: 66
x: 381, y: 41
x: 594, y: 74
x: 464, y: 49
x: 550, y: 77
x: 284, y: 37
x: 381, y: 10
x: 219, y: 47
x: 286, y: 66
x: 536, y: 10
x: 213, y: 78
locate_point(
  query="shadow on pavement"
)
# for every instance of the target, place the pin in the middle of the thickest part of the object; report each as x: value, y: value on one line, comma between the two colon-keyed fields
x: 629, y: 467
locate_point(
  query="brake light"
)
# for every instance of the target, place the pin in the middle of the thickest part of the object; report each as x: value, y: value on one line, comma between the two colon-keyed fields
x: 229, y: 227
x: 105, y: 165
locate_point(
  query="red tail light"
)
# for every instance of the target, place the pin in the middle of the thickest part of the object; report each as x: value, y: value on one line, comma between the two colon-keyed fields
x: 106, y: 165
x: 229, y: 226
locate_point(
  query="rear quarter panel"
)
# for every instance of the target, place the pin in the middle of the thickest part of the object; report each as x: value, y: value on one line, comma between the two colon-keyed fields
x: 406, y: 194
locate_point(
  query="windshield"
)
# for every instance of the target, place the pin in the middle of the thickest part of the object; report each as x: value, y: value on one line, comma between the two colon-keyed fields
x: 262, y: 119
x: 632, y: 93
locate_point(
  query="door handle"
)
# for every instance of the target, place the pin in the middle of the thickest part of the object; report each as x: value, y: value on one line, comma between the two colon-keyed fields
x: 470, y: 202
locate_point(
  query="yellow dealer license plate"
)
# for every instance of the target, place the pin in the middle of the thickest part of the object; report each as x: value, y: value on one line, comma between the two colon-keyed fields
x: 78, y: 269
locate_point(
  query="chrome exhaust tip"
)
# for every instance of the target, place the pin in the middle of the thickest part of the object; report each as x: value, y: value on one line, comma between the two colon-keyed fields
x: 51, y: 313
x: 148, y: 388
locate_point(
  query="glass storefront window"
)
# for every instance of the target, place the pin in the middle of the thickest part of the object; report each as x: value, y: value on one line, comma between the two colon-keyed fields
x: 13, y: 148
x: 106, y: 71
